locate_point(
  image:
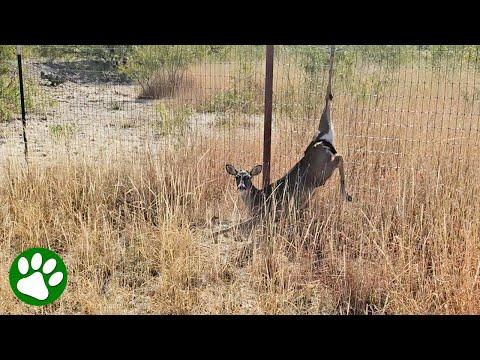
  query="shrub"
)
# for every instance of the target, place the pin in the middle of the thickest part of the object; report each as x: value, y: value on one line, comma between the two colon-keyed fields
x: 244, y: 95
x: 112, y: 55
x: 160, y: 69
x: 314, y: 59
x: 58, y: 131
x: 171, y: 121
x: 9, y: 98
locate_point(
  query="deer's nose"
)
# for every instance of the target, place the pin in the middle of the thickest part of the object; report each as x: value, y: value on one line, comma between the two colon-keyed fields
x: 242, y: 187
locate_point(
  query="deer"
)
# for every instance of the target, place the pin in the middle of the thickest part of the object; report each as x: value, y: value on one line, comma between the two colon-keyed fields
x: 319, y: 162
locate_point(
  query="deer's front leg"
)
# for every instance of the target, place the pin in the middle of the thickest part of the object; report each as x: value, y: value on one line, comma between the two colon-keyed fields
x: 338, y: 163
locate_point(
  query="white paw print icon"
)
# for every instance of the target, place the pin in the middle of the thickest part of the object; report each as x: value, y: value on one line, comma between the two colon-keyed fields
x: 35, y: 285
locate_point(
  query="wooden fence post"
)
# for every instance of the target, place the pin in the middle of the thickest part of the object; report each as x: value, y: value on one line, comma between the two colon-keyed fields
x: 267, y: 128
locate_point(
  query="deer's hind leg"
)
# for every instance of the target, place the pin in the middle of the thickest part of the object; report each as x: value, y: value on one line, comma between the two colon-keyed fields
x: 338, y: 163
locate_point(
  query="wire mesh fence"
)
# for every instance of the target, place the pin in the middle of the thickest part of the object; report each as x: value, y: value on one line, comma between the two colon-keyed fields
x: 391, y: 103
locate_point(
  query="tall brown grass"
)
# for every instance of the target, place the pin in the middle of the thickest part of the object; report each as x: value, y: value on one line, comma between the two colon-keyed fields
x: 136, y: 238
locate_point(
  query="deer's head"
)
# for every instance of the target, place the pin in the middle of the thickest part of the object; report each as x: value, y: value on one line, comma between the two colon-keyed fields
x: 243, y: 178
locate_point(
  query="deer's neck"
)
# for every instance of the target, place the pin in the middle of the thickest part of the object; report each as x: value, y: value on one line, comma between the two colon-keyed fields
x: 252, y: 198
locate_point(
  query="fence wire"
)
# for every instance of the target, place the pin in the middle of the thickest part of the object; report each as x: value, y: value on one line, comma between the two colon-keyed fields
x: 391, y: 103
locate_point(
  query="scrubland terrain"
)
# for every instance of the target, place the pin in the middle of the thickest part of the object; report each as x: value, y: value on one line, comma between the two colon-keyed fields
x: 128, y: 189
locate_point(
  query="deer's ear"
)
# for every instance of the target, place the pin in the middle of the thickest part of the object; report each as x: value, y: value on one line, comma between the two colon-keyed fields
x: 256, y: 170
x: 231, y: 170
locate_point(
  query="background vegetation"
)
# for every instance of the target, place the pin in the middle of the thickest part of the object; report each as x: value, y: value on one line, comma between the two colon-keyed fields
x: 8, y: 84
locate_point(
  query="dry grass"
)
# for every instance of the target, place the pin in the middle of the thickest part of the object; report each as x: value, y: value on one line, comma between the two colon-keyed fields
x: 198, y: 83
x: 136, y: 239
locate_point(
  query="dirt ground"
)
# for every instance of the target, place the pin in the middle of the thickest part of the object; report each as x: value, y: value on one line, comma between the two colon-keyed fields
x: 89, y: 118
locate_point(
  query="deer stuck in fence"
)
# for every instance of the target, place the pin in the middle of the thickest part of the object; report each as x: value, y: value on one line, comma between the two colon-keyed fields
x: 317, y: 165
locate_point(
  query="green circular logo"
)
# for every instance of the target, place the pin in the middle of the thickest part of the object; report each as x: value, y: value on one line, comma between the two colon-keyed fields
x: 38, y: 276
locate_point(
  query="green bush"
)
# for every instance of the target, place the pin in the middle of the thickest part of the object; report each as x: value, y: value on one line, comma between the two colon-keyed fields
x: 218, y: 52
x: 314, y: 59
x: 243, y: 96
x: 112, y: 55
x: 171, y: 121
x: 390, y: 55
x: 160, y: 69
x: 9, y: 92
x: 449, y: 56
x: 59, y: 132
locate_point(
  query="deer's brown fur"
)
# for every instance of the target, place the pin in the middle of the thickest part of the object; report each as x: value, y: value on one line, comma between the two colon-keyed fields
x: 317, y: 165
